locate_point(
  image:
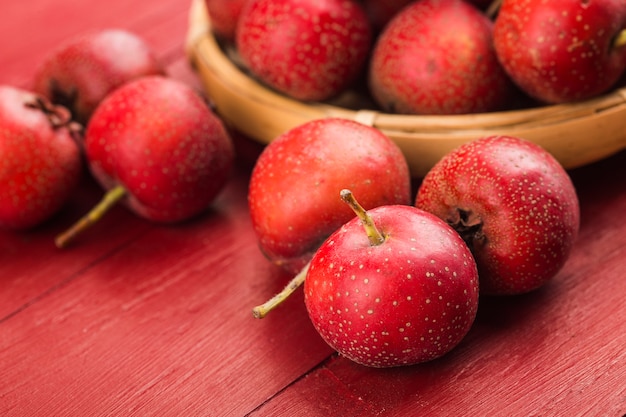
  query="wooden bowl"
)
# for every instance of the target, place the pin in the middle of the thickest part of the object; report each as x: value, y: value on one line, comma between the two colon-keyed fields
x: 575, y: 133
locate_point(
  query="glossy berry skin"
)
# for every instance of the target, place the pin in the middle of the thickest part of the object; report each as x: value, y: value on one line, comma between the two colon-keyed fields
x: 561, y: 50
x: 79, y: 73
x: 513, y: 203
x: 296, y: 180
x: 420, y: 66
x: 408, y: 300
x: 309, y: 50
x: 40, y: 162
x: 157, y: 137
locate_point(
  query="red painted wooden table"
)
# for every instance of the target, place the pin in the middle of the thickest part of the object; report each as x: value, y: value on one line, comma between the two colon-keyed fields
x: 138, y: 320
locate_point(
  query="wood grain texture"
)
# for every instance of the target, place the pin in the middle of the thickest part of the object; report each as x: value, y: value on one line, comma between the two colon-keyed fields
x: 29, y: 33
x: 31, y: 265
x: 137, y: 319
x: 134, y: 318
x: 558, y: 351
x: 160, y: 326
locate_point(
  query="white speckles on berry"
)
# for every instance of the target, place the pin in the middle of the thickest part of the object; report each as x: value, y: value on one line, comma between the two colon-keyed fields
x: 372, y: 299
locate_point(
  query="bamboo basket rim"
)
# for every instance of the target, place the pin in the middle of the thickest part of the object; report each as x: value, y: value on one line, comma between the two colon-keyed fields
x: 438, y: 133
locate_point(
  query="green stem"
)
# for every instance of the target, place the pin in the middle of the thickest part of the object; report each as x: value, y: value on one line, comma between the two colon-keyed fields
x: 375, y: 237
x: 620, y: 39
x: 262, y: 310
x: 94, y: 215
x: 493, y: 8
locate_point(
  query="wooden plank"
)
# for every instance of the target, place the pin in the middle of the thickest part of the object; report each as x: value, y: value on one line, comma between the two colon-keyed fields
x: 140, y: 319
x: 36, y: 266
x: 31, y: 265
x: 319, y: 393
x: 558, y: 351
x: 534, y: 356
x: 40, y: 27
x: 30, y: 259
x: 162, y: 327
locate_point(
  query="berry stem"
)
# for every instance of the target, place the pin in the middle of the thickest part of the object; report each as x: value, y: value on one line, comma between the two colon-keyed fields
x: 58, y: 116
x: 262, y: 310
x: 376, y: 238
x: 620, y: 39
x: 493, y: 8
x: 111, y: 198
